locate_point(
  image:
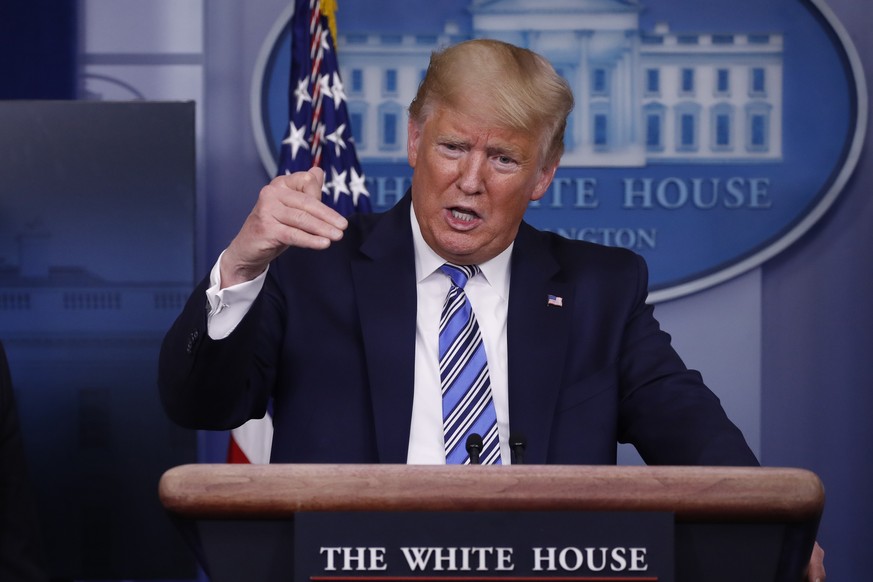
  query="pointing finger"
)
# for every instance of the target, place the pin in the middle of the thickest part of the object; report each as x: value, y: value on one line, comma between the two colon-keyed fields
x: 310, y: 184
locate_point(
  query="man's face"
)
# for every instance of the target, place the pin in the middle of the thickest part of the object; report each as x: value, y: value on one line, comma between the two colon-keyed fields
x: 472, y: 183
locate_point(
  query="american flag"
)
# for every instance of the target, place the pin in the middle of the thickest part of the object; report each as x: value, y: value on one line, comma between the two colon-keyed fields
x: 319, y: 134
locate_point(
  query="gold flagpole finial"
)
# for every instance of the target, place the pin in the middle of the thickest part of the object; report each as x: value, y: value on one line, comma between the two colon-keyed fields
x: 328, y: 10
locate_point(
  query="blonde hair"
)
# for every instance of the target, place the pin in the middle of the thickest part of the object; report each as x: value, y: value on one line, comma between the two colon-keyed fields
x: 517, y: 88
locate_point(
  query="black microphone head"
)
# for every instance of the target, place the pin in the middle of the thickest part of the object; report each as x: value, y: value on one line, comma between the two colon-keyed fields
x: 517, y: 440
x: 474, y: 441
x: 517, y: 444
x: 474, y: 447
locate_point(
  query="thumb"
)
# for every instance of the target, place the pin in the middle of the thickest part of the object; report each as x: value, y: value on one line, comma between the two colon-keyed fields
x: 318, y: 174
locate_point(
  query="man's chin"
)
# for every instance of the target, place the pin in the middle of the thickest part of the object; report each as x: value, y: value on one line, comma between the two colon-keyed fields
x: 464, y: 250
x: 458, y: 254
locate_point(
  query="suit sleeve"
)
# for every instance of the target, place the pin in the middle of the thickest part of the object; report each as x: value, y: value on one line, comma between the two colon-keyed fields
x: 665, y: 410
x: 216, y: 384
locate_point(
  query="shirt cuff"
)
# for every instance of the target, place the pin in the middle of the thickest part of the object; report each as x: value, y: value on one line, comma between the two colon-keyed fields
x: 227, y: 307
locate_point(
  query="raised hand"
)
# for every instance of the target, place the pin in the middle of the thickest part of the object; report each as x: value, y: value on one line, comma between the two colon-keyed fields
x: 289, y: 212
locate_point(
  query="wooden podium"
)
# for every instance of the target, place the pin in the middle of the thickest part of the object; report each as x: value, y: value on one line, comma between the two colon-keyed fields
x: 730, y: 523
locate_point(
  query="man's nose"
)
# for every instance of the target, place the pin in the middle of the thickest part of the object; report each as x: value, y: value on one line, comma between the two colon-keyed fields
x: 471, y: 172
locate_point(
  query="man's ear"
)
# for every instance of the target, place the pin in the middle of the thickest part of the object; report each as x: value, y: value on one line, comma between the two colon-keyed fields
x: 413, y: 137
x: 547, y: 174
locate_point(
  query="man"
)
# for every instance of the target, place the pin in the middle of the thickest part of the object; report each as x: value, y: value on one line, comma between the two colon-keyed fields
x: 20, y: 544
x: 339, y: 321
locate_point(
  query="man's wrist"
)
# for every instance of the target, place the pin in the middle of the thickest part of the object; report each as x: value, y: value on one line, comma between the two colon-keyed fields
x: 233, y: 273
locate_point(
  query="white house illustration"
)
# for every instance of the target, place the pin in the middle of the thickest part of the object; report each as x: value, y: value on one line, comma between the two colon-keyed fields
x: 642, y: 97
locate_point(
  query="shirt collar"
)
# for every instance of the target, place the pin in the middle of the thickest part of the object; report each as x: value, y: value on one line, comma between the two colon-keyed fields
x: 427, y: 261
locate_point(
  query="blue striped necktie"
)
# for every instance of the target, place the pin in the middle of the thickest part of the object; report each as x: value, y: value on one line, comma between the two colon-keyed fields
x: 466, y: 385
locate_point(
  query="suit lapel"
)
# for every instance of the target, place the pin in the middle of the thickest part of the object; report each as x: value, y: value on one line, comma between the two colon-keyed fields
x: 384, y: 279
x: 537, y: 336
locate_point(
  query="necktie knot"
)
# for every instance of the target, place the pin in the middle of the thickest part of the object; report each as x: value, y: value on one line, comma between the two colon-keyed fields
x: 460, y: 274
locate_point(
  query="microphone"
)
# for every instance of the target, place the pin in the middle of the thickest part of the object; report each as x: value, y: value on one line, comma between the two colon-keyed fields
x: 474, y: 447
x: 517, y: 444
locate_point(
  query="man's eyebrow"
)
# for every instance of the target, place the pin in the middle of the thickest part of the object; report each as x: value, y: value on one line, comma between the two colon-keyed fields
x: 505, y: 149
x: 451, y: 138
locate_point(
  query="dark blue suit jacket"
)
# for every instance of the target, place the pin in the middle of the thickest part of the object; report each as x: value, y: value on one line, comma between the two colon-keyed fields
x: 332, y: 339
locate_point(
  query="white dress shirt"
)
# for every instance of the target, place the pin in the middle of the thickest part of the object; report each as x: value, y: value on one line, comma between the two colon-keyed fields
x: 488, y: 293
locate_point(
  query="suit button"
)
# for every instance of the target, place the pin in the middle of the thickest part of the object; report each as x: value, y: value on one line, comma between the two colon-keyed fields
x: 192, y: 341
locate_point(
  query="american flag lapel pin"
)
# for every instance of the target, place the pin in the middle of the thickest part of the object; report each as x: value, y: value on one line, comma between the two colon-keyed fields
x: 556, y: 301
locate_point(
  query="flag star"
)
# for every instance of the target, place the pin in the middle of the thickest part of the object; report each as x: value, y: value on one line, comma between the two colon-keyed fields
x: 337, y: 139
x: 356, y: 183
x: 324, y: 85
x: 302, y: 93
x: 296, y: 139
x: 338, y: 184
x: 339, y: 94
x: 318, y: 141
x: 325, y: 45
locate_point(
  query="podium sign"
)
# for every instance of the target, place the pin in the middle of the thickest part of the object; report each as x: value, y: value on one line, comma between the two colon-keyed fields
x: 468, y: 546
